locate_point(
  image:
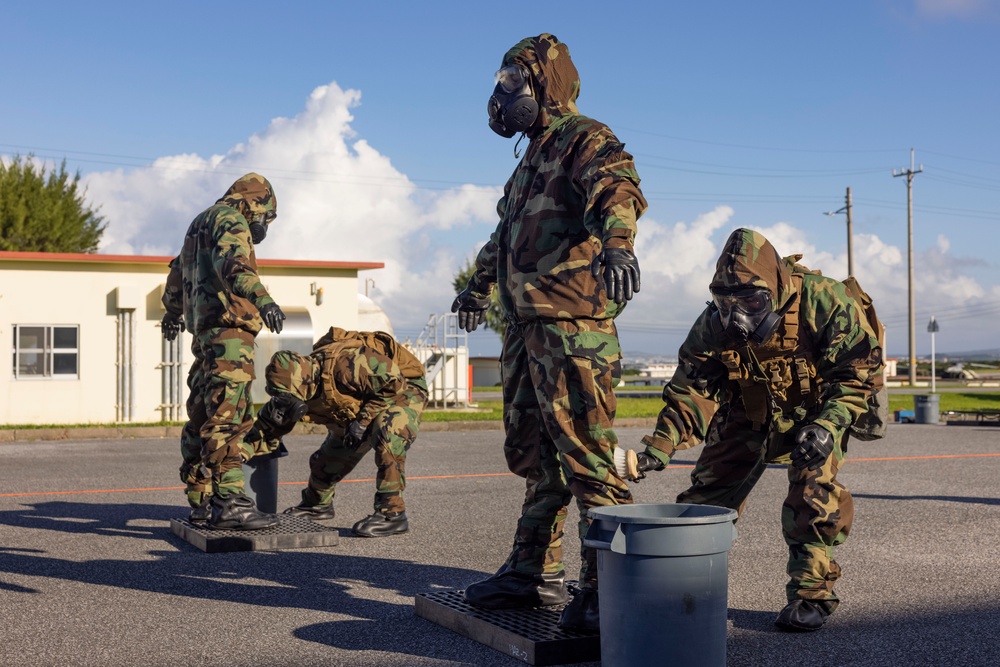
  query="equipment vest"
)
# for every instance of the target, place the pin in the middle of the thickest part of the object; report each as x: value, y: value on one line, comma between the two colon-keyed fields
x: 779, y: 382
x: 344, y: 407
x: 778, y: 378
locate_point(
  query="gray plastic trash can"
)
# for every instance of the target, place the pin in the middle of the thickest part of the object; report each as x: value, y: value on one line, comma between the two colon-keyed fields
x: 926, y: 408
x: 663, y: 573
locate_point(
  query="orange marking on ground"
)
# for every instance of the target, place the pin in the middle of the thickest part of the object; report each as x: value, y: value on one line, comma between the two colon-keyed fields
x: 181, y: 488
x: 481, y: 474
x: 929, y: 456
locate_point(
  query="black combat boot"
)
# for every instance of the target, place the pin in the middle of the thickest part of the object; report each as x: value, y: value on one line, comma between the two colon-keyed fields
x: 583, y: 612
x: 803, y: 615
x: 202, y: 513
x: 508, y: 589
x: 382, y: 524
x: 238, y: 512
x: 314, y: 512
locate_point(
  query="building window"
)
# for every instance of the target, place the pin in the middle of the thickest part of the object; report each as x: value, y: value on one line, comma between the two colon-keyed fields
x: 46, y: 351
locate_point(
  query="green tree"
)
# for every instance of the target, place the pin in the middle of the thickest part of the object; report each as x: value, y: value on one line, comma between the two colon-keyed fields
x: 45, y: 212
x: 494, y: 314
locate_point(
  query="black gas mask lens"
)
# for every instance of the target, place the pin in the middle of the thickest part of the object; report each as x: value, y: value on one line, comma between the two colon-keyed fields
x: 511, y: 108
x: 258, y: 226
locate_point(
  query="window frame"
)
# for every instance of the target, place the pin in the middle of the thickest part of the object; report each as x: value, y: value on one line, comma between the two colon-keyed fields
x: 47, y: 353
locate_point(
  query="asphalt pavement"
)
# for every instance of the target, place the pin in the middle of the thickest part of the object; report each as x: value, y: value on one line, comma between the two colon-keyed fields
x: 90, y: 573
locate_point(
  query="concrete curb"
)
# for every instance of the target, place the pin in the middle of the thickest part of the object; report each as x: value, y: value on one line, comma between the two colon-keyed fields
x: 128, y: 432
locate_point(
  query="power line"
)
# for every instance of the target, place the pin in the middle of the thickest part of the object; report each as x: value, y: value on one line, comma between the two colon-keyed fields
x: 758, y: 148
x: 199, y: 167
x: 439, y: 185
x: 959, y: 157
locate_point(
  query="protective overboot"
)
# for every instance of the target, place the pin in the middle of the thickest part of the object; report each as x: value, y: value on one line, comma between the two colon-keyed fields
x: 202, y: 513
x: 508, y: 589
x: 238, y: 512
x: 381, y: 525
x: 314, y: 512
x: 803, y: 615
x: 582, y: 613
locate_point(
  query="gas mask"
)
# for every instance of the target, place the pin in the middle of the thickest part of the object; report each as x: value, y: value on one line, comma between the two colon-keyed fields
x: 747, y: 314
x: 258, y: 226
x: 512, y: 109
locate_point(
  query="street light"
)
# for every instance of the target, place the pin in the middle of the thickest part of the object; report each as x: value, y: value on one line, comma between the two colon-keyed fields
x: 850, y: 243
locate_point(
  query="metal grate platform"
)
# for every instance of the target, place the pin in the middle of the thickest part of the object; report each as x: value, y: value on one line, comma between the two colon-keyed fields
x: 530, y: 635
x: 291, y: 532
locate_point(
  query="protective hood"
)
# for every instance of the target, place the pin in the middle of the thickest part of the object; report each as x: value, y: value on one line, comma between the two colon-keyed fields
x: 555, y: 81
x: 749, y: 260
x: 292, y: 373
x: 252, y: 195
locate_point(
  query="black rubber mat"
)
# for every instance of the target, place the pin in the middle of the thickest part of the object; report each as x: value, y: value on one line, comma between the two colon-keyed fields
x: 530, y: 635
x: 289, y: 533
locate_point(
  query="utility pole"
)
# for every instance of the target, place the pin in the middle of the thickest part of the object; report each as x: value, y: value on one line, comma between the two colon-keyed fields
x: 850, y: 232
x: 910, y: 173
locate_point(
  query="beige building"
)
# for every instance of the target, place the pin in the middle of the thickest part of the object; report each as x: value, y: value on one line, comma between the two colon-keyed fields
x: 84, y: 333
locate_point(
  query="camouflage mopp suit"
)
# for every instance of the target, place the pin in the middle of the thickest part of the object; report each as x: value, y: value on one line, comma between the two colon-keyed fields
x: 355, y: 377
x: 574, y: 194
x: 747, y: 403
x: 214, y: 289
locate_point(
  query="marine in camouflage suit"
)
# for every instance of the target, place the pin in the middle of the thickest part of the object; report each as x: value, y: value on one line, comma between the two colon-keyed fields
x: 370, y: 392
x: 562, y: 261
x: 791, y: 395
x: 213, y: 291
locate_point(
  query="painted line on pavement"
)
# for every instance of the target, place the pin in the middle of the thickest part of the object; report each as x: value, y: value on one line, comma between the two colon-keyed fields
x: 470, y: 475
x: 181, y: 488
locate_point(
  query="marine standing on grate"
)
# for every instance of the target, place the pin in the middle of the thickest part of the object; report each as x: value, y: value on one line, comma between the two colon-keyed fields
x: 370, y: 392
x: 562, y: 260
x: 213, y: 291
x: 778, y: 368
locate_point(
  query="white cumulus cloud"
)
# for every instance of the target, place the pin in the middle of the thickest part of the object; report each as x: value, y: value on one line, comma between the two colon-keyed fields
x: 338, y: 199
x: 678, y: 261
x: 341, y: 199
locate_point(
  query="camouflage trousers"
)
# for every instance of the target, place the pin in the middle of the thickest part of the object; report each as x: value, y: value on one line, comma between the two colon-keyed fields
x: 220, y: 413
x: 816, y: 515
x: 391, y: 433
x: 559, y: 408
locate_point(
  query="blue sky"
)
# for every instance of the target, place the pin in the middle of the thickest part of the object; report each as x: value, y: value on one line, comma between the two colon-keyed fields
x: 370, y: 120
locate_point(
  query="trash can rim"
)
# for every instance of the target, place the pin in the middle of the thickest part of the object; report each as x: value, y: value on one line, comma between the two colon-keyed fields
x: 626, y: 514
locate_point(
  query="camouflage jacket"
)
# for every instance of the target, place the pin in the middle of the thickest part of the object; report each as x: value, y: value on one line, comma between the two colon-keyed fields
x: 356, y: 383
x: 213, y: 282
x: 574, y: 192
x: 814, y: 369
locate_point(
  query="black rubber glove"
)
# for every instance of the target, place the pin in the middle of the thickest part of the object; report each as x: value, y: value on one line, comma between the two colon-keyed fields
x: 621, y: 273
x: 273, y: 318
x: 354, y: 435
x: 471, y: 309
x: 647, y: 463
x: 814, y: 444
x: 171, y: 326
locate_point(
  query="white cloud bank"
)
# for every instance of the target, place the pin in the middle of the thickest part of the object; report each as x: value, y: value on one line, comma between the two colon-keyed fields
x: 678, y: 261
x: 340, y: 199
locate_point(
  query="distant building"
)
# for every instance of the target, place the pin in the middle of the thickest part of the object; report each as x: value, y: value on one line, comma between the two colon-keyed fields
x: 485, y: 371
x: 85, y: 342
x: 657, y: 373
